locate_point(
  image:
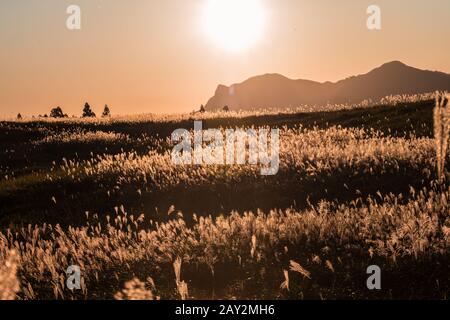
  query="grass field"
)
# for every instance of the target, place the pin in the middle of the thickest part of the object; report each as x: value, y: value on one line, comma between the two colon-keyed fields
x: 355, y: 188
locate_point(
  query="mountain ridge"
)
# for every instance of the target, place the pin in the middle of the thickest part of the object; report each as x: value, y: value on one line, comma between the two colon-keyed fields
x: 273, y: 90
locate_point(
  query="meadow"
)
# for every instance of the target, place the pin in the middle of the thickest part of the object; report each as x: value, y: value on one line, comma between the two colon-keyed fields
x: 357, y: 186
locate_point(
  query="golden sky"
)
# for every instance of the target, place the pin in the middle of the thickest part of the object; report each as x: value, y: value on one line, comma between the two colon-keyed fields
x: 156, y: 56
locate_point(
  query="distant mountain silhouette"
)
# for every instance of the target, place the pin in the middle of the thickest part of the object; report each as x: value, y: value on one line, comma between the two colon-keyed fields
x: 277, y: 91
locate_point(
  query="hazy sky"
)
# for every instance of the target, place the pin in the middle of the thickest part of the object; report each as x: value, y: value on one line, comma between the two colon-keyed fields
x: 141, y: 56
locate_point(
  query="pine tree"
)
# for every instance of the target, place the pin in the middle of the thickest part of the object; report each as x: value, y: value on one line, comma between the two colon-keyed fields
x: 57, y: 113
x: 87, y: 111
x: 106, y: 112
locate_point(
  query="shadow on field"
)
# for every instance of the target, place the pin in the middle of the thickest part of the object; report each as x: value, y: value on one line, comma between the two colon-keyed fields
x: 66, y: 203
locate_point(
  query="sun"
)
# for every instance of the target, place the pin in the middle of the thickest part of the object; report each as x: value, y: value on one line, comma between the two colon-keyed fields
x: 235, y: 25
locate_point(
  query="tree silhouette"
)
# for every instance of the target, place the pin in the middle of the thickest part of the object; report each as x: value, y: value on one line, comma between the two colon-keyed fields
x: 106, y: 112
x: 226, y: 109
x: 57, y: 113
x: 202, y: 109
x: 19, y: 116
x: 87, y: 111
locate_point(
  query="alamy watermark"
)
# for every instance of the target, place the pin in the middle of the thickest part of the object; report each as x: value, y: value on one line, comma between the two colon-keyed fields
x: 228, y: 147
x: 73, y: 21
x: 374, y: 280
x: 73, y: 281
x: 374, y: 19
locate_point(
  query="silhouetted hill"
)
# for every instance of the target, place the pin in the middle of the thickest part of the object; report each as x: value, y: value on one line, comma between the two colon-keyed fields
x: 277, y: 91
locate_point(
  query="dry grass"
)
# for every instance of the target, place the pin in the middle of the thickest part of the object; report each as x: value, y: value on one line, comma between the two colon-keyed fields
x: 84, y: 137
x: 311, y: 152
x: 9, y: 284
x: 383, y: 231
x: 320, y: 251
x: 442, y: 131
x: 135, y: 290
x: 391, y: 100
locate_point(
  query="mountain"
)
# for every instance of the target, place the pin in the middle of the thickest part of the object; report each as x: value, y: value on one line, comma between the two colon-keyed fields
x: 277, y: 91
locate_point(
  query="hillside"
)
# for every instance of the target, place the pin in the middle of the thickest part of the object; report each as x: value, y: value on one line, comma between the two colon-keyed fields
x: 277, y: 91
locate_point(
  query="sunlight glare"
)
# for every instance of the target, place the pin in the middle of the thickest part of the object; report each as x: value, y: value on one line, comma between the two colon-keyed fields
x: 235, y: 25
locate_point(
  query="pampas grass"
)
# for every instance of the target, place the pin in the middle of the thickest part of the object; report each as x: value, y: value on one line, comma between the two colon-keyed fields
x: 441, y: 131
x: 181, y: 285
x: 9, y: 284
x: 135, y: 290
x: 392, y: 230
x: 315, y: 247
